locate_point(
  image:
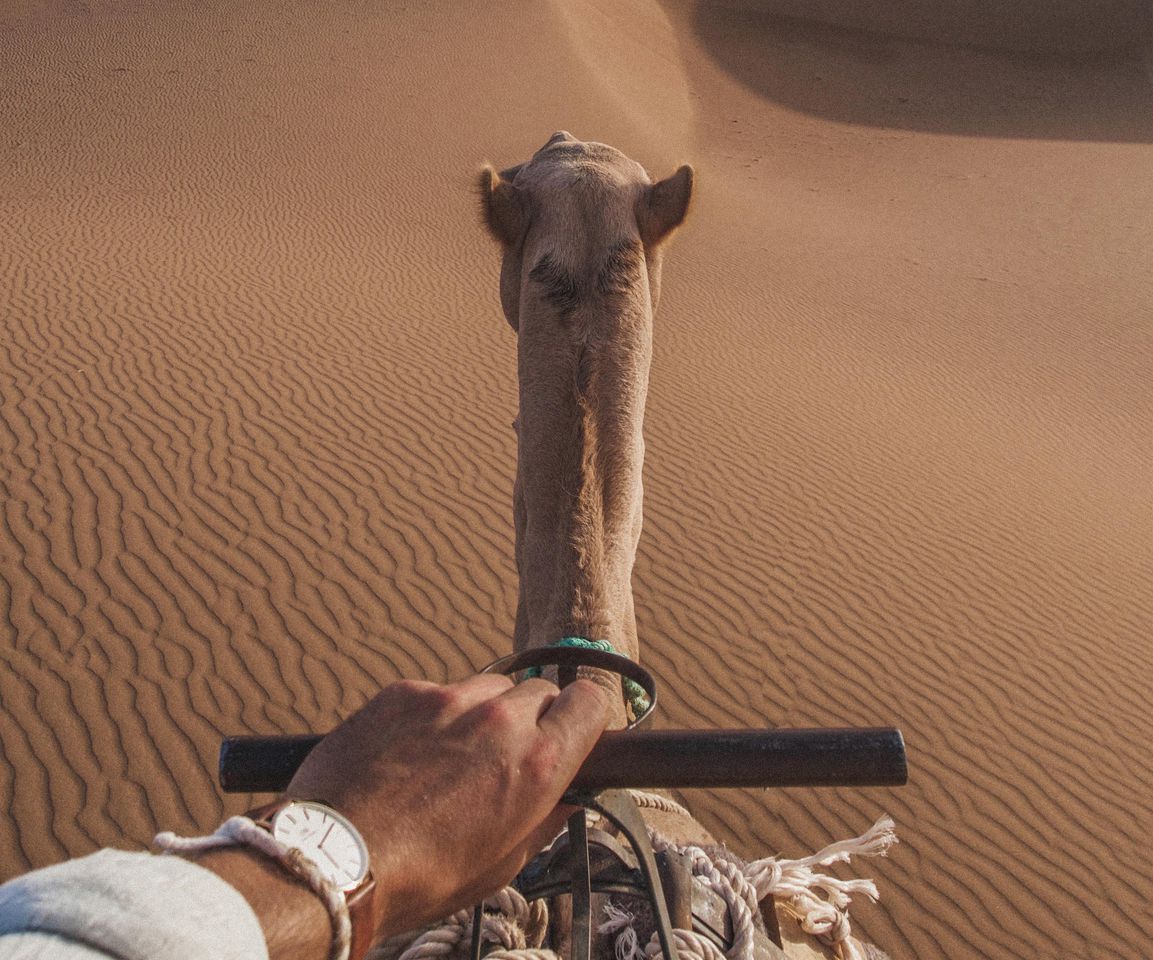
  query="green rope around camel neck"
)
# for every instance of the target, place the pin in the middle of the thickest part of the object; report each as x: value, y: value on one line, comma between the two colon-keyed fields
x: 634, y: 692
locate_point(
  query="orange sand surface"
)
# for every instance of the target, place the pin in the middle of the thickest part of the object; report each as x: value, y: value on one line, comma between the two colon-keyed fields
x: 256, y: 394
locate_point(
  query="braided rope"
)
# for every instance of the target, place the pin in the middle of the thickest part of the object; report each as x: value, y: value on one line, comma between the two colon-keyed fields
x: 518, y: 926
x: 728, y: 880
x: 242, y: 831
x: 689, y: 944
x: 440, y: 941
x: 656, y: 801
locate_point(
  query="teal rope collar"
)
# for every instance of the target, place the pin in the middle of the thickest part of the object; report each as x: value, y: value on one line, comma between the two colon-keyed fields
x: 633, y: 691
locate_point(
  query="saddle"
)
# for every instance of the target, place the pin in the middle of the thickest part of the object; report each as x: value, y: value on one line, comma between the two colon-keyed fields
x: 586, y: 860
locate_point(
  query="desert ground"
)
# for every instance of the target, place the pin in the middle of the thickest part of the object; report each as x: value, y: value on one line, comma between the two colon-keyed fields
x: 256, y: 391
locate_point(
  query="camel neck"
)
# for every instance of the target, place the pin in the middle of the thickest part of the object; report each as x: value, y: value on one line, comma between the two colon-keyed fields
x: 579, y: 498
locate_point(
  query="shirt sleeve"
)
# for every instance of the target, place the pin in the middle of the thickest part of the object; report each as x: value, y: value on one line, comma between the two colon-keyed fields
x: 129, y: 906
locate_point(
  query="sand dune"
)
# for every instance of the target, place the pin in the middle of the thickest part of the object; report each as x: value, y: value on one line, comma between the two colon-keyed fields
x: 255, y: 396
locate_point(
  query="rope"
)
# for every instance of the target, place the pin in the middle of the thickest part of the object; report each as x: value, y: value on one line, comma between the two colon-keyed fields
x: 440, y: 941
x: 725, y: 878
x: 655, y: 801
x: 242, y: 831
x: 818, y: 901
x: 517, y: 926
x: 634, y: 693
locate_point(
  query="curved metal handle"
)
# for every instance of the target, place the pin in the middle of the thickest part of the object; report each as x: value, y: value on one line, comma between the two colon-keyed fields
x: 570, y: 659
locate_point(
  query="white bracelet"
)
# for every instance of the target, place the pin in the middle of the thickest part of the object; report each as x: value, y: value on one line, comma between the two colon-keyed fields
x: 242, y: 831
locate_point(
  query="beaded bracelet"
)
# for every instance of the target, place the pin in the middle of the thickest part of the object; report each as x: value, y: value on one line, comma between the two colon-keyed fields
x: 242, y: 831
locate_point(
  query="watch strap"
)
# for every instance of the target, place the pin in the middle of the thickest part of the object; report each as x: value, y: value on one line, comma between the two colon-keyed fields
x: 358, y: 900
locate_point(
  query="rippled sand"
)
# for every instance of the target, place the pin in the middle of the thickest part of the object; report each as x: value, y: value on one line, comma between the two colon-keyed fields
x: 256, y: 395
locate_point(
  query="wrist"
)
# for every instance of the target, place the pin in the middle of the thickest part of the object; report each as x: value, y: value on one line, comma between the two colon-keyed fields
x: 295, y: 922
x: 381, y: 849
x: 318, y: 843
x: 287, y: 851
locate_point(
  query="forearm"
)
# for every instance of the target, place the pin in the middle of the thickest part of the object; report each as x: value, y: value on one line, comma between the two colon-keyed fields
x: 451, y: 790
x: 133, y: 906
x: 295, y: 923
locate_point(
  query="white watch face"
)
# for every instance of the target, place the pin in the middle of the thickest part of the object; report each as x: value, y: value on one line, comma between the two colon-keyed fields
x: 326, y: 838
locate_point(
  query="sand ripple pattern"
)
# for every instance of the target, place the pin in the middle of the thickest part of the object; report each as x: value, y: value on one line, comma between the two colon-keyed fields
x: 256, y: 456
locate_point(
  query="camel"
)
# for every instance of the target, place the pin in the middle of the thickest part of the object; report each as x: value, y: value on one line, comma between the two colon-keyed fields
x: 582, y: 230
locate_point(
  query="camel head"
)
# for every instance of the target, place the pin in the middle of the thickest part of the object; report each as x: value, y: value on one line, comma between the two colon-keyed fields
x: 581, y: 228
x: 573, y: 200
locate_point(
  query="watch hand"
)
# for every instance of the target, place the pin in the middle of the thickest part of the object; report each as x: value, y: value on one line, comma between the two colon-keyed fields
x: 320, y: 845
x: 331, y: 860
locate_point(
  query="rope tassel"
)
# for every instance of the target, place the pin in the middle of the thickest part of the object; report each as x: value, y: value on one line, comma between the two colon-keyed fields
x: 792, y: 878
x: 819, y: 901
x: 627, y: 945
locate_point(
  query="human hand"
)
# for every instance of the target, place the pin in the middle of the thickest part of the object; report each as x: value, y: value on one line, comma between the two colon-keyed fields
x: 454, y: 788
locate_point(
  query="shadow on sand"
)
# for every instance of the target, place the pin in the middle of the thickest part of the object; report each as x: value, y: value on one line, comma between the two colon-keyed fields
x: 1067, y: 70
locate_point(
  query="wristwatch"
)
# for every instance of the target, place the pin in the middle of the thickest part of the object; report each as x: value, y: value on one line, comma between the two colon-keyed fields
x: 329, y: 840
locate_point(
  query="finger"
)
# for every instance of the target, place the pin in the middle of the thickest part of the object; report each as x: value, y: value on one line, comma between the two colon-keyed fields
x: 479, y: 688
x: 546, y: 831
x: 409, y: 700
x: 578, y: 714
x: 535, y: 695
x: 522, y: 850
x: 412, y: 698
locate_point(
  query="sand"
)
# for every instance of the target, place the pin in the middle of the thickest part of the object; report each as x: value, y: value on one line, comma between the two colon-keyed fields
x: 256, y: 394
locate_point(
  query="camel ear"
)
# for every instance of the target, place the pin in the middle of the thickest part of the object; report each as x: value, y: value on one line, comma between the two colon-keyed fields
x: 503, y: 207
x: 665, y: 206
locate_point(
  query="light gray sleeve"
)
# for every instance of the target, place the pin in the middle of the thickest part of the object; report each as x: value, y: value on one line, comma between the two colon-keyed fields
x: 130, y: 906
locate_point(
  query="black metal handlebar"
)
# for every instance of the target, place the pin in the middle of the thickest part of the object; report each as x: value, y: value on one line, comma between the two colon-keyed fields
x: 812, y: 757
